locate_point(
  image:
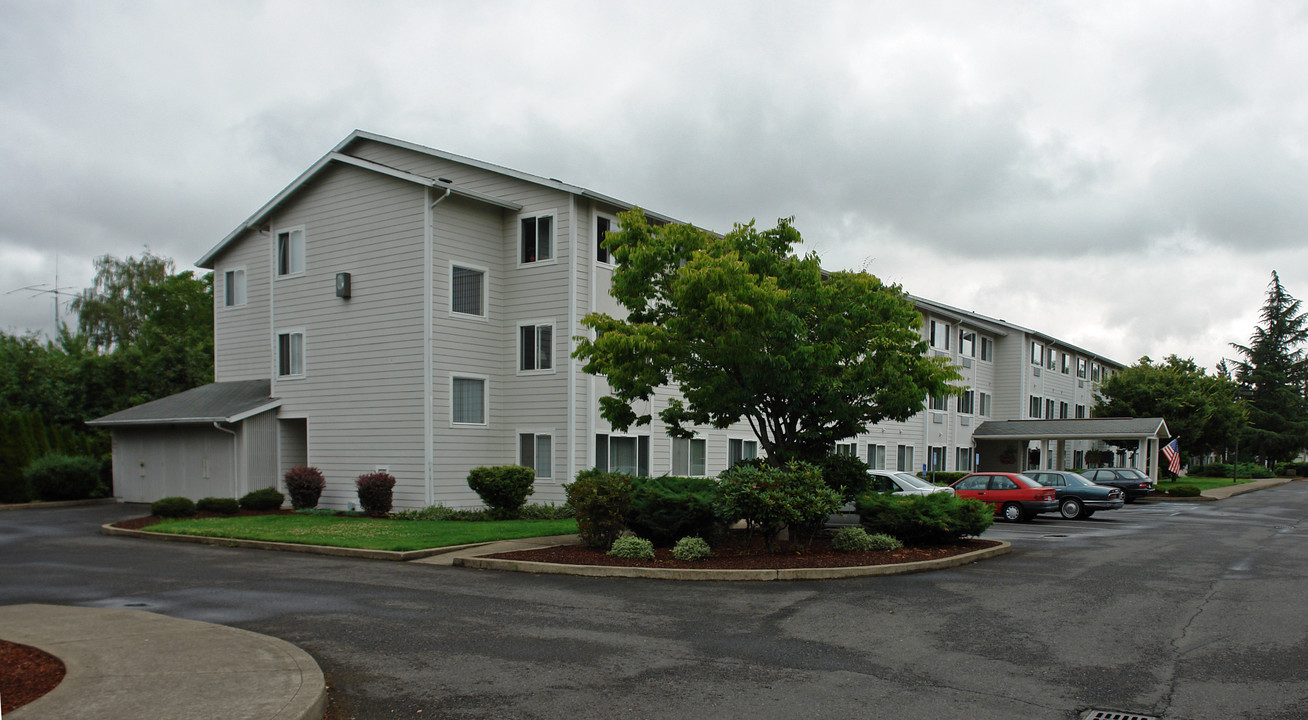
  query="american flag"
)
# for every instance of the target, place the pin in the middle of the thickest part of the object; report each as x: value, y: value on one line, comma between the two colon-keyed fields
x: 1173, y: 453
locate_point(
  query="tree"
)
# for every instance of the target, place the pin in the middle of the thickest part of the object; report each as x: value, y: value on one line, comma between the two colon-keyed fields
x: 746, y: 329
x: 1273, y: 376
x: 1201, y: 409
x: 110, y: 313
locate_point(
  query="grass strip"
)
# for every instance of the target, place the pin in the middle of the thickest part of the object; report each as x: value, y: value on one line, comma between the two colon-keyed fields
x: 363, y: 533
x: 1201, y: 483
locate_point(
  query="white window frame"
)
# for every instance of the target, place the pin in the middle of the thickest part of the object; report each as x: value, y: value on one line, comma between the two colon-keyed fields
x: 1081, y: 364
x: 963, y: 461
x: 1063, y: 411
x: 876, y: 456
x: 1037, y: 354
x: 1034, y: 406
x: 537, y: 325
x: 742, y: 442
x: 1081, y: 412
x: 983, y: 404
x: 966, y: 343
x: 485, y: 291
x: 938, y: 403
x: 846, y: 448
x: 987, y: 349
x: 904, y: 459
x: 239, y: 280
x: 485, y: 399
x: 277, y: 353
x: 967, y: 402
x: 690, y: 457
x: 608, y: 451
x: 536, y: 436
x: 939, y: 335
x: 1067, y: 364
x: 553, y: 236
x: 615, y: 226
x: 296, y: 252
x: 1049, y: 408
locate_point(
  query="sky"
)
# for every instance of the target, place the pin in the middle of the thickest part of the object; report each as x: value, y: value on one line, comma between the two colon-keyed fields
x: 1125, y: 176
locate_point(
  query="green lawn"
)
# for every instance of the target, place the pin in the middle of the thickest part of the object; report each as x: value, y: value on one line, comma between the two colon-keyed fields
x: 364, y: 533
x: 1202, y: 483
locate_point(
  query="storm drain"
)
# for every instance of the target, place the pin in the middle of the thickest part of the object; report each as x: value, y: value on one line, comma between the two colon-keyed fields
x: 1114, y: 715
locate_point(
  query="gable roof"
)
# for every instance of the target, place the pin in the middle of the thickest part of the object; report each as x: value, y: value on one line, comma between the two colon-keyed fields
x: 1003, y: 327
x: 1080, y: 428
x: 340, y: 155
x: 215, y: 402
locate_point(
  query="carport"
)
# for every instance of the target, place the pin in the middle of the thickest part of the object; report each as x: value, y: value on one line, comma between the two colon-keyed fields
x: 1001, y: 444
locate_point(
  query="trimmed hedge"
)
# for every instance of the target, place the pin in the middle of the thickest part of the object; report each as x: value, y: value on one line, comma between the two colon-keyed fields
x: 856, y: 538
x: 376, y: 493
x: 221, y: 506
x: 924, y: 519
x: 1223, y: 470
x: 664, y: 509
x: 942, y: 478
x: 305, y: 486
x: 504, y: 488
x: 262, y: 500
x: 601, y: 500
x: 172, y: 507
x: 63, y: 477
x: 1183, y: 491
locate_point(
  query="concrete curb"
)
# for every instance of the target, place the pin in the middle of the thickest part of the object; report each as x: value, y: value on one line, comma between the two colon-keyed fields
x: 131, y: 664
x: 392, y: 555
x: 485, y: 563
x: 57, y: 504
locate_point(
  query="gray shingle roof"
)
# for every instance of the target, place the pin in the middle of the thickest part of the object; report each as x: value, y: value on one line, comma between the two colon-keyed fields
x: 1085, y: 428
x: 216, y: 402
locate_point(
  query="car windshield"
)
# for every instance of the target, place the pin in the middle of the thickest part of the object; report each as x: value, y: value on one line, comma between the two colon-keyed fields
x: 1026, y: 481
x: 914, y: 481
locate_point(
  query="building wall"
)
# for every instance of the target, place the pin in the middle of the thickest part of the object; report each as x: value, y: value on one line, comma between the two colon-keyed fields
x: 194, y: 461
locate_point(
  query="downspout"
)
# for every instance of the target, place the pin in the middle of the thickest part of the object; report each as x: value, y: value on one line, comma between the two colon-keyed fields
x: 572, y: 331
x: 236, y: 458
x: 428, y: 363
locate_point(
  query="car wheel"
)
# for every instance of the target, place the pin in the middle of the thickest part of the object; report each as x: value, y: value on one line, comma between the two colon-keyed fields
x: 1013, y: 512
x: 1089, y: 514
x: 1071, y: 508
x: 1127, y: 499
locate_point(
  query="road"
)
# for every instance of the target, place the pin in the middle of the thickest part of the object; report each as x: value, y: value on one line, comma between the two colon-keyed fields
x: 1182, y: 611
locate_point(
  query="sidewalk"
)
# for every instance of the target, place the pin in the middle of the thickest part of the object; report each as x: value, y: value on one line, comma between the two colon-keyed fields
x: 129, y: 664
x: 1222, y: 493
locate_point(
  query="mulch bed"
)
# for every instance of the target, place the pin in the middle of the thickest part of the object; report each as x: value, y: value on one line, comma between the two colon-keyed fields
x: 733, y: 552
x: 26, y: 674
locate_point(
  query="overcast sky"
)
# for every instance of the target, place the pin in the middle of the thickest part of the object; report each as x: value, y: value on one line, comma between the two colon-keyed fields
x: 1123, y: 175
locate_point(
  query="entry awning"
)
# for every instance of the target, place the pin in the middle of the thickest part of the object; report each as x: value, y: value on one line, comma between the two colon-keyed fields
x: 1078, y: 429
x: 215, y: 402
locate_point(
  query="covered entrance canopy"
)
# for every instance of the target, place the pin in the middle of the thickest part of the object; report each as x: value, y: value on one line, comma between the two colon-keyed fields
x: 1001, y: 444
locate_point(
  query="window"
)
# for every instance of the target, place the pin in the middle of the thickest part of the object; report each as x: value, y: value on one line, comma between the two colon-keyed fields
x: 1078, y: 458
x: 1080, y: 411
x: 987, y: 349
x: 966, y: 401
x: 1094, y: 371
x: 850, y: 449
x: 468, y: 401
x: 535, y: 347
x: 1050, y: 359
x: 738, y: 450
x: 1062, y: 410
x: 936, y: 459
x: 537, y: 238
x: 688, y: 457
x: 604, y: 226
x: 234, y: 287
x: 1067, y: 363
x: 290, y: 251
x: 1049, y: 409
x: 1080, y: 367
x: 966, y: 343
x: 535, y: 451
x: 290, y: 354
x: 964, y: 460
x: 468, y: 291
x: 622, y: 454
x: 983, y: 402
x: 939, y: 335
x: 1034, y: 409
x: 904, y: 458
x: 1037, y: 353
x: 876, y: 457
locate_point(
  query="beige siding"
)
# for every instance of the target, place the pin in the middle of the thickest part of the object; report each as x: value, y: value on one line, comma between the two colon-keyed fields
x: 180, y: 460
x: 259, y: 451
x: 241, y: 347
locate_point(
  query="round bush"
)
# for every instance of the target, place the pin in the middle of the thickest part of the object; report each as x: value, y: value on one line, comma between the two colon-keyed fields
x: 172, y: 507
x: 664, y: 509
x: 63, y: 477
x: 690, y: 549
x: 846, y: 474
x: 262, y: 500
x: 1183, y: 491
x: 375, y: 493
x: 851, y: 539
x: 221, y: 506
x: 504, y: 488
x: 305, y: 486
x: 632, y: 548
x: 602, y: 501
x: 881, y: 541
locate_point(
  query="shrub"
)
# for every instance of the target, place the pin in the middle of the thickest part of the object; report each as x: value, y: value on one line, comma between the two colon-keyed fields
x: 305, y: 486
x: 221, y: 506
x: 63, y: 477
x: 881, y: 541
x: 539, y: 511
x: 632, y: 548
x: 1291, y: 469
x: 376, y: 492
x: 924, y: 519
x: 172, y: 507
x: 690, y: 549
x: 1183, y: 491
x: 666, y: 508
x: 504, y: 488
x: 771, y: 498
x: 851, y: 539
x: 942, y: 478
x: 846, y: 474
x: 601, y: 500
x: 1223, y: 470
x: 261, y: 500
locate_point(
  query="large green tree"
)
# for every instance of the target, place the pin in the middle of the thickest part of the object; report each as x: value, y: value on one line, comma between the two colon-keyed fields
x: 746, y: 329
x: 1201, y: 409
x: 111, y: 312
x: 1273, y: 376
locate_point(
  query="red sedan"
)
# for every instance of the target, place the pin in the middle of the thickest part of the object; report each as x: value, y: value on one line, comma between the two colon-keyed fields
x: 1013, y: 495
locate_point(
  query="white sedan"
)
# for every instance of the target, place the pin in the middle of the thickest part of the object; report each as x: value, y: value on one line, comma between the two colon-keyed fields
x: 901, y: 482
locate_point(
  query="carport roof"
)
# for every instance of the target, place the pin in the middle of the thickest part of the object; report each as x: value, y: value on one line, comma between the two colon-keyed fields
x: 216, y: 402
x: 1082, y: 428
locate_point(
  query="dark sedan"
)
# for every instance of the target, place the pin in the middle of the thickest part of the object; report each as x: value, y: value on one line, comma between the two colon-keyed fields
x: 1077, y: 496
x: 1129, y: 480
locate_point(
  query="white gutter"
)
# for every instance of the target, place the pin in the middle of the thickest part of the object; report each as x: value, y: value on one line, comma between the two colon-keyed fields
x: 428, y: 363
x: 236, y: 459
x: 572, y: 332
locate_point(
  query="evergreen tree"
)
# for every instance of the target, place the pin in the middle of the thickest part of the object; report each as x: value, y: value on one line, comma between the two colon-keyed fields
x: 1273, y: 376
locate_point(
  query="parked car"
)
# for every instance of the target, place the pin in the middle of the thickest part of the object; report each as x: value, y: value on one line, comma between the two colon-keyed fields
x: 1077, y: 496
x: 892, y: 481
x: 1012, y: 495
x: 1129, y: 480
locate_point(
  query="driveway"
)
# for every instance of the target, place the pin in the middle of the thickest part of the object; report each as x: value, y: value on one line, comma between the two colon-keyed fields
x: 1176, y: 611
